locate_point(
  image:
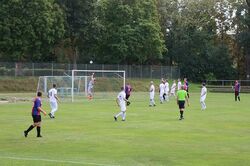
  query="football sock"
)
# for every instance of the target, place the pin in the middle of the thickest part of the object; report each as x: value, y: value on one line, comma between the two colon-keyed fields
x: 120, y: 113
x: 239, y: 98
x: 30, y: 128
x: 38, y: 130
x: 181, y: 112
x: 124, y: 116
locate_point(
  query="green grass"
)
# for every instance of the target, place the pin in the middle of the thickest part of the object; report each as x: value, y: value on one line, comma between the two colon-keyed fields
x: 18, y: 84
x: 84, y: 133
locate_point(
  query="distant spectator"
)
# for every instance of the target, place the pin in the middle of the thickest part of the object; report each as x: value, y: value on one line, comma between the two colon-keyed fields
x: 237, y: 90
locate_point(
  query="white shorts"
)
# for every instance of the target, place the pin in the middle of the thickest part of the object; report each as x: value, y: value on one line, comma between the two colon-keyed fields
x: 53, y: 105
x: 151, y: 95
x: 90, y: 91
x: 123, y: 108
x: 202, y: 99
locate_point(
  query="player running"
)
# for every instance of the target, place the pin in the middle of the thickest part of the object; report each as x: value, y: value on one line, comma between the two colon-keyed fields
x: 166, y: 91
x: 37, y: 108
x: 173, y: 88
x: 179, y: 84
x: 181, y: 98
x: 203, y: 96
x: 53, y: 101
x: 121, y: 102
x: 152, y: 94
x: 91, y: 86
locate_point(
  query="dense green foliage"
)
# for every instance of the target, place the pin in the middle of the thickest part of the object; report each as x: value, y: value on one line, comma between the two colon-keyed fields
x: 243, y: 36
x: 29, y: 29
x: 130, y: 33
x: 84, y: 133
x: 198, y: 36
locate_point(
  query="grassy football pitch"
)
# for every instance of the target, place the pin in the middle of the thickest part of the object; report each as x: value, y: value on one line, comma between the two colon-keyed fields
x: 85, y: 133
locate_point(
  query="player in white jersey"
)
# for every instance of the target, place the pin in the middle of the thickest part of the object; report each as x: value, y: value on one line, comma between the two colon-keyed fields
x: 203, y: 96
x: 121, y: 102
x: 179, y: 84
x: 173, y: 88
x: 53, y: 99
x: 151, y: 94
x: 161, y: 90
x: 91, y: 86
x: 166, y: 91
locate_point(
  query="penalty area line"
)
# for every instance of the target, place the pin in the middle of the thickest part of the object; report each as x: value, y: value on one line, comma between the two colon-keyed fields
x: 55, y: 161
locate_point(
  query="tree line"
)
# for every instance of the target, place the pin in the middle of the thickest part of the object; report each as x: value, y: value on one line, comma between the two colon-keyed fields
x: 207, y: 39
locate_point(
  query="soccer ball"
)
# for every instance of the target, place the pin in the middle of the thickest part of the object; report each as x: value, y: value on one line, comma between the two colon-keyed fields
x: 91, y: 62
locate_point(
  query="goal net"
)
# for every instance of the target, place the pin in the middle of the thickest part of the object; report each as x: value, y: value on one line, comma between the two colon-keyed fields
x: 106, y: 85
x: 64, y: 85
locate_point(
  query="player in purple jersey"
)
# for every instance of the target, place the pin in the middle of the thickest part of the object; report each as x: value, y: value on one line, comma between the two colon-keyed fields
x: 36, y: 115
x: 237, y: 90
x: 128, y: 90
x: 186, y: 86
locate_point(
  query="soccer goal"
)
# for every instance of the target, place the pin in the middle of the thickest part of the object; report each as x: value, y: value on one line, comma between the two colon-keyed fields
x: 64, y: 85
x: 106, y: 86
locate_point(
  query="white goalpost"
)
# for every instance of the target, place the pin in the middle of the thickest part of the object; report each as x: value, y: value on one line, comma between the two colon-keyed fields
x: 63, y: 83
x: 107, y: 81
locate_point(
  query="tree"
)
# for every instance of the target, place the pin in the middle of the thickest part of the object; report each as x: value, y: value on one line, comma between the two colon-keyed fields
x: 79, y: 15
x: 243, y: 36
x: 29, y: 29
x: 192, y: 38
x: 134, y: 40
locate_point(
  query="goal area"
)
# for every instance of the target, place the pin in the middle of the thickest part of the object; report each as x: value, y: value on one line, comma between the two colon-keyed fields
x: 63, y: 85
x: 106, y: 86
x: 74, y: 87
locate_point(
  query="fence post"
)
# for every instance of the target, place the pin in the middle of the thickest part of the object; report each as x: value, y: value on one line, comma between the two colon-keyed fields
x: 130, y: 70
x: 69, y: 69
x: 15, y: 69
x: 161, y: 71
x: 150, y: 71
x: 52, y: 69
x: 102, y: 69
x: 179, y: 72
x: 141, y: 71
x: 171, y: 72
x: 33, y: 70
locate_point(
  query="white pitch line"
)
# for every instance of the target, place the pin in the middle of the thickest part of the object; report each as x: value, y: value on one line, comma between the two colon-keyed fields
x: 55, y: 161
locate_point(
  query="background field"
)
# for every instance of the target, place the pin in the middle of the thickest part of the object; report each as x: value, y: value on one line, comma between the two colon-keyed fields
x: 84, y: 133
